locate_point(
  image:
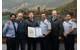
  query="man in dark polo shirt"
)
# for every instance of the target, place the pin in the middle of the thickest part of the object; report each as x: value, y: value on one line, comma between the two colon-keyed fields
x: 31, y: 23
x: 21, y: 32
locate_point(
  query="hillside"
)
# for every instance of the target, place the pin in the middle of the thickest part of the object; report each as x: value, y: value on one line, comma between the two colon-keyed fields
x: 11, y: 5
x: 69, y: 8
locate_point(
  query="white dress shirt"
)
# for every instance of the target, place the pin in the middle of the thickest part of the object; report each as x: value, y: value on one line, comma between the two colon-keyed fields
x: 68, y: 25
x: 45, y: 26
x: 9, y: 30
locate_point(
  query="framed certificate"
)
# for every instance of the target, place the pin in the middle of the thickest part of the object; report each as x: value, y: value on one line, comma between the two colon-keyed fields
x: 34, y: 32
x: 31, y: 32
x: 38, y: 32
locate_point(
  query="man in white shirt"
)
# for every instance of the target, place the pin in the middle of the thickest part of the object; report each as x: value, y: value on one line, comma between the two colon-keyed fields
x: 69, y: 28
x: 45, y: 26
x: 10, y: 31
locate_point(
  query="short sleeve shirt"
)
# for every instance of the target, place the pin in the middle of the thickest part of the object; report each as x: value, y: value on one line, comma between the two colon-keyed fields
x: 68, y: 25
x: 45, y: 26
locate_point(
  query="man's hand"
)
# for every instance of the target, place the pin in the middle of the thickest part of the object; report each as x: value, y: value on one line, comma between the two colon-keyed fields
x: 45, y: 34
x: 65, y: 34
x: 60, y: 37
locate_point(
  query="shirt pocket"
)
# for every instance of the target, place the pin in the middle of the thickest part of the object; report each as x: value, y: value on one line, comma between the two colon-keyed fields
x: 70, y: 25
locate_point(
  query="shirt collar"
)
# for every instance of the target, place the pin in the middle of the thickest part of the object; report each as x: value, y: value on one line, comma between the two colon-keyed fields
x: 54, y: 18
x: 44, y: 20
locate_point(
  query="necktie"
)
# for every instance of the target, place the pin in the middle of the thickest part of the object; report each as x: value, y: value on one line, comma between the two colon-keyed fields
x: 14, y: 26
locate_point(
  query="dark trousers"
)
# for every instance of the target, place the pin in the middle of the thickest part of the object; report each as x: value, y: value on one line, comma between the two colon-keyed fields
x: 45, y: 43
x: 32, y: 42
x: 41, y: 42
x: 54, y: 43
x: 69, y: 42
x: 21, y: 43
x: 11, y: 43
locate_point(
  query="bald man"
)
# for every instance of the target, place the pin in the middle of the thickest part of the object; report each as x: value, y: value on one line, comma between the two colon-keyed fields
x: 56, y: 31
x: 21, y: 32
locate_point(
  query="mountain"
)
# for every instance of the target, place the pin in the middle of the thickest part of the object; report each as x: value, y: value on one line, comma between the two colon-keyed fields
x: 16, y: 4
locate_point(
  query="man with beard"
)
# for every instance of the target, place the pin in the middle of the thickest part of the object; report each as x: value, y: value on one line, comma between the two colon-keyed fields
x: 10, y: 31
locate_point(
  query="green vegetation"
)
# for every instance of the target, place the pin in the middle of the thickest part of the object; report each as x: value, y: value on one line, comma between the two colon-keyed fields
x: 5, y: 18
x: 70, y: 8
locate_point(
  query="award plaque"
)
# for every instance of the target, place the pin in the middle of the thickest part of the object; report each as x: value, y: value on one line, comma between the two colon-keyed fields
x: 34, y: 32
